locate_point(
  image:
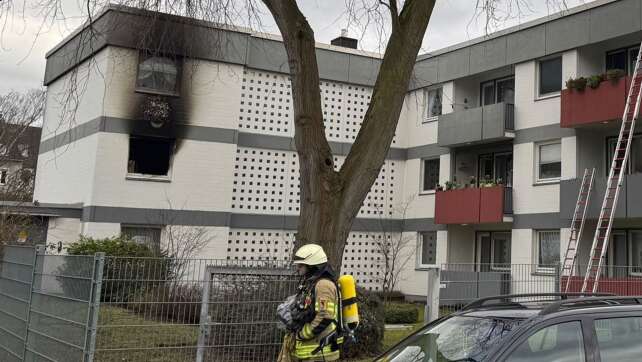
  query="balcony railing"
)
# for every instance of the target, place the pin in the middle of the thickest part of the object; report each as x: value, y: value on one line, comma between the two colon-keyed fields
x: 494, y: 122
x: 590, y: 106
x: 475, y: 205
x: 629, y: 202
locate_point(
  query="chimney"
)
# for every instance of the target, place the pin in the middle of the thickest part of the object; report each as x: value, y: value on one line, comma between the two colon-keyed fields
x: 344, y: 40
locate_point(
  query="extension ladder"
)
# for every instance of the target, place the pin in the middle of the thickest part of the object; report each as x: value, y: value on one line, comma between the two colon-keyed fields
x: 577, y: 226
x: 614, y: 183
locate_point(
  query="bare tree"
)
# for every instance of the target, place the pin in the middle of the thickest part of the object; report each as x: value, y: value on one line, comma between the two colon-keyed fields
x: 329, y: 199
x: 183, y: 243
x: 20, y: 114
x: 394, y: 249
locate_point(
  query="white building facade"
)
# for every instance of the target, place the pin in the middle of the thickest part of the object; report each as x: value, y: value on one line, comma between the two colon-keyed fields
x: 483, y: 118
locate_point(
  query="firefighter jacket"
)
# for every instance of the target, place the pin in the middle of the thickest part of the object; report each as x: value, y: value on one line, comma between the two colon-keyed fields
x: 321, y: 299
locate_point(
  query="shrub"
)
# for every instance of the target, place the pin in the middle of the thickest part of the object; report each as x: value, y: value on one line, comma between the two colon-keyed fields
x: 570, y: 83
x: 369, y: 334
x: 580, y: 83
x: 397, y: 313
x: 169, y: 303
x: 129, y: 268
x: 595, y: 80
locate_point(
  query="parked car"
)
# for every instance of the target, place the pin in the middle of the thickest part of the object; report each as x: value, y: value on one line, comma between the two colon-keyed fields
x: 554, y: 327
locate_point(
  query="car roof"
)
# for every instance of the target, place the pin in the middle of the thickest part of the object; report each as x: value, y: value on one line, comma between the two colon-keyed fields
x: 530, y: 305
x: 502, y: 313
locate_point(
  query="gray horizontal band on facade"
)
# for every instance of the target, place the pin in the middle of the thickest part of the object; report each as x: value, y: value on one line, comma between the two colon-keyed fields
x: 130, y: 215
x: 281, y: 143
x: 121, y: 26
x: 71, y: 211
x: 141, y: 216
x: 549, y: 220
x: 422, y: 224
x: 146, y: 216
x: 542, y: 133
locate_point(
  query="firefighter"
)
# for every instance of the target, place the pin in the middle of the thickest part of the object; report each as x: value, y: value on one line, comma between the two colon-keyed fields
x: 316, y: 337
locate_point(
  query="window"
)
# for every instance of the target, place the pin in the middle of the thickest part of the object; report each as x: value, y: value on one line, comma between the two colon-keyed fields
x: 427, y: 248
x: 3, y: 176
x: 635, y: 254
x: 619, y: 339
x: 497, y: 91
x: 500, y: 251
x: 550, y: 76
x: 496, y: 167
x: 634, y: 165
x: 433, y: 103
x: 149, y: 156
x: 3, y: 150
x: 561, y: 342
x: 547, y: 248
x: 430, y: 174
x: 623, y: 59
x: 549, y: 161
x: 157, y: 74
x: 24, y: 150
x: 145, y: 235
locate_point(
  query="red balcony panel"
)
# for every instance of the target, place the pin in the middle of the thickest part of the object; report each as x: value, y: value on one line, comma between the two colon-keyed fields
x: 457, y: 206
x: 602, y: 104
x: 618, y: 286
x: 491, y: 205
x: 470, y: 205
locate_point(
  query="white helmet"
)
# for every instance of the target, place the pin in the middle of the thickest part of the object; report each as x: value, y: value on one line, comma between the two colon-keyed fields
x: 310, y: 254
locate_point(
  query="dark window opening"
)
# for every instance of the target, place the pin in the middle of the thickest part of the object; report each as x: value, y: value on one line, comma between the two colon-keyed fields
x: 149, y: 156
x: 623, y: 59
x: 431, y: 174
x: 550, y: 75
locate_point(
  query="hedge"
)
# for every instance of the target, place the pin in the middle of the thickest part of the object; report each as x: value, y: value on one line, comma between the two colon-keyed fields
x: 397, y: 313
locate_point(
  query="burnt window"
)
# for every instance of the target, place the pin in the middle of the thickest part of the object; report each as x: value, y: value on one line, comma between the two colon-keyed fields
x: 158, y: 74
x: 149, y: 156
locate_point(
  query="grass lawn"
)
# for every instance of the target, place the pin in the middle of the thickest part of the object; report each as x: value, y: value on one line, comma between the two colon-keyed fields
x: 125, y: 336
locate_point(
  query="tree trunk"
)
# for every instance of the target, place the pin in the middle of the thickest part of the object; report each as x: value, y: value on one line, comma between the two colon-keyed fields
x: 330, y: 200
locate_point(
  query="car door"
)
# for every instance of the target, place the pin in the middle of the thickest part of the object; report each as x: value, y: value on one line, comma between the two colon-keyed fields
x: 618, y: 336
x: 560, y: 340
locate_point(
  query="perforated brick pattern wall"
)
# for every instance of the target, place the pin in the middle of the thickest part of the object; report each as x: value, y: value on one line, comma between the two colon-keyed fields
x: 361, y: 257
x: 266, y: 106
x: 267, y: 182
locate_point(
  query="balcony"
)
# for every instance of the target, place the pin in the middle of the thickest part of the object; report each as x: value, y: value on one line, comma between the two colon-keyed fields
x: 475, y: 205
x: 593, y: 106
x: 629, y: 202
x: 495, y: 122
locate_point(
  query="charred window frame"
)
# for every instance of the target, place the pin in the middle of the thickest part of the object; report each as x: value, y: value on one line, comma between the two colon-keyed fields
x: 158, y: 74
x: 150, y: 158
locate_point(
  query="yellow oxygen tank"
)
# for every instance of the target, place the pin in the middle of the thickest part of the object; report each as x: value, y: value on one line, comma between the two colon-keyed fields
x: 349, y: 301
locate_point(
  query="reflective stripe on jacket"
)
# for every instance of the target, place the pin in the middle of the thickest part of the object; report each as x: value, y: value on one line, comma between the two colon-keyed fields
x: 326, y: 309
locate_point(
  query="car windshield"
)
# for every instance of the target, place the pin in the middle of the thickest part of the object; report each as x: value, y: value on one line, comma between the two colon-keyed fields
x: 459, y: 338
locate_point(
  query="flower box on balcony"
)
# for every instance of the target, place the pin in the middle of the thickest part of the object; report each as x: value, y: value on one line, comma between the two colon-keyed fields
x: 470, y: 205
x: 594, y: 105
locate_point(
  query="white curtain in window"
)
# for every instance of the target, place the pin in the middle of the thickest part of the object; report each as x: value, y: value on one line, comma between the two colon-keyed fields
x: 433, y: 102
x: 549, y: 248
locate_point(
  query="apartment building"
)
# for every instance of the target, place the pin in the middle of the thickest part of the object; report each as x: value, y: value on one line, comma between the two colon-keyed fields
x: 483, y: 169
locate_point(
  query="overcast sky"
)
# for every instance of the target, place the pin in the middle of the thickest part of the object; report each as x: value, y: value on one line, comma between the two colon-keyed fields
x: 22, y: 52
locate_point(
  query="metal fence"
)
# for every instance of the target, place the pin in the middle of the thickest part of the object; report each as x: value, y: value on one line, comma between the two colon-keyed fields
x: 97, y: 308
x: 200, y: 310
x: 462, y: 283
x: 48, y: 305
